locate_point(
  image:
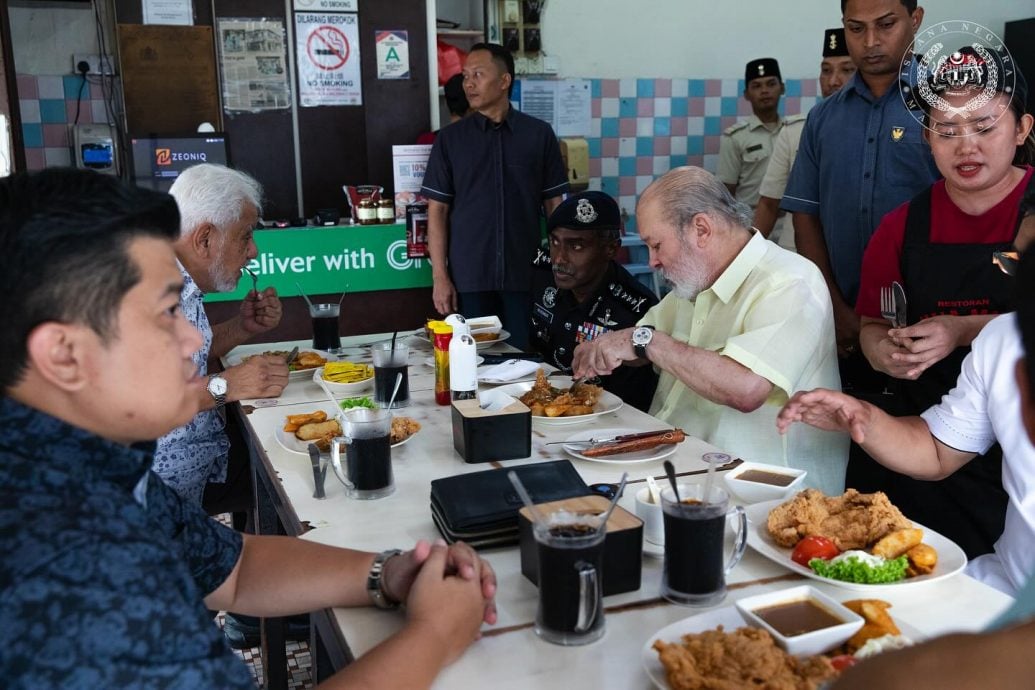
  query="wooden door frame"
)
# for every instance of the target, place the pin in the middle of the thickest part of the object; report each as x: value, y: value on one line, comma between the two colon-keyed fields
x: 11, y: 83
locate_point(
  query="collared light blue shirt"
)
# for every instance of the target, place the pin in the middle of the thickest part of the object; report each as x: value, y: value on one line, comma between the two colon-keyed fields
x: 859, y: 158
x: 194, y: 454
x: 104, y: 573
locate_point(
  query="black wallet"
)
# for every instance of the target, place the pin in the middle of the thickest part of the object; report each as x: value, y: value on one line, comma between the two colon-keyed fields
x: 481, y: 508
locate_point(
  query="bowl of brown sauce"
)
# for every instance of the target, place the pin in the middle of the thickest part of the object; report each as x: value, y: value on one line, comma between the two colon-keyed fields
x: 753, y: 482
x: 802, y: 620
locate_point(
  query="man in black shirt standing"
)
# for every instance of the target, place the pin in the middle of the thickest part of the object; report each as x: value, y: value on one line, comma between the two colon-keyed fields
x: 488, y: 177
x: 579, y: 291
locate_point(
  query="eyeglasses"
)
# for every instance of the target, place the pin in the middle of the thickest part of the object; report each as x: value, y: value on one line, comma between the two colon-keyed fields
x: 1006, y: 261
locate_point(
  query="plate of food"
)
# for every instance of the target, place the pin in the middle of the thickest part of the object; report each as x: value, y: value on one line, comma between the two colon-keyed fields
x: 557, y: 402
x: 300, y: 369
x: 622, y: 446
x: 319, y: 427
x: 857, y: 541
x: 738, y: 655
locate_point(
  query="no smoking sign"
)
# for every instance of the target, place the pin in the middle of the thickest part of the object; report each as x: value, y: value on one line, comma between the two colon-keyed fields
x: 328, y: 48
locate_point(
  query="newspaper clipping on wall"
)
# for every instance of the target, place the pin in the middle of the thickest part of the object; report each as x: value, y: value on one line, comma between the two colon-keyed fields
x: 253, y: 65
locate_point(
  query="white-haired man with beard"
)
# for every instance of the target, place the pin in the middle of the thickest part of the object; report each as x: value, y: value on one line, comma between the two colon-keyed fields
x: 746, y: 325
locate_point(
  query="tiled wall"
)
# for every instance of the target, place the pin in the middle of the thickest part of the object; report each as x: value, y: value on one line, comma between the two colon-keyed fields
x: 48, y: 106
x: 641, y: 128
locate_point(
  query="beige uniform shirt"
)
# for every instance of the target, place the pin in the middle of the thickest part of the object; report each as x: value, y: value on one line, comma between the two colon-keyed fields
x: 769, y: 311
x: 785, y: 148
x: 744, y: 152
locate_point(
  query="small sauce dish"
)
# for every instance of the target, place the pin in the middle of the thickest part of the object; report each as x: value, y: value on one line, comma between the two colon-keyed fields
x: 753, y: 482
x: 802, y: 620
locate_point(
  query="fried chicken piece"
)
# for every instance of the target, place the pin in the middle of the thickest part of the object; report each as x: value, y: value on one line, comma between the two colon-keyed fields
x: 897, y: 543
x: 851, y: 521
x: 922, y: 560
x: 403, y: 428
x: 744, y: 658
x: 878, y: 622
x: 547, y: 401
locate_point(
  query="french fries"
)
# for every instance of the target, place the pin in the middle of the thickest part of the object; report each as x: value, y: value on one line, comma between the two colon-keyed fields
x: 347, y: 372
x: 878, y: 621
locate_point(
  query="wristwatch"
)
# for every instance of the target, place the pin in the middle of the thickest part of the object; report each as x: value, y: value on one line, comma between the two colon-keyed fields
x: 217, y: 389
x: 641, y: 337
x: 375, y: 585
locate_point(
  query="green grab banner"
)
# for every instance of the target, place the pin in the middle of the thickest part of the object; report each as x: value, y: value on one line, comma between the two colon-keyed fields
x: 326, y: 260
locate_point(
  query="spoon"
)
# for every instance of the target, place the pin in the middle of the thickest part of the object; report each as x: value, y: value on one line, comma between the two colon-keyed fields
x: 398, y: 382
x: 655, y: 492
x: 614, y: 502
x: 255, y: 278
x: 304, y: 296
x: 537, y: 517
x: 671, y: 472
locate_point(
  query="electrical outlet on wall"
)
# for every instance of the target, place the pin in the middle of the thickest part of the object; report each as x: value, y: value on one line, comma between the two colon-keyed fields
x: 97, y: 63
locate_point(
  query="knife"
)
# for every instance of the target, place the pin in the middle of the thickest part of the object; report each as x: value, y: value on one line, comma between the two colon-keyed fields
x: 319, y: 474
x: 898, y: 299
x: 291, y: 356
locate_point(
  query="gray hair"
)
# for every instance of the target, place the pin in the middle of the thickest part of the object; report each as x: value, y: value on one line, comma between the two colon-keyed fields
x: 208, y: 193
x: 686, y: 191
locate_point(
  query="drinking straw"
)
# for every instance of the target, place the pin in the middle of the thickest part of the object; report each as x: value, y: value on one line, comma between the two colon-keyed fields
x: 398, y: 383
x: 395, y: 334
x: 614, y: 502
x: 304, y: 296
x: 537, y: 518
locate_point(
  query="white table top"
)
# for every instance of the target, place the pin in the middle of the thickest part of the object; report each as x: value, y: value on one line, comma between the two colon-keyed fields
x: 510, y: 655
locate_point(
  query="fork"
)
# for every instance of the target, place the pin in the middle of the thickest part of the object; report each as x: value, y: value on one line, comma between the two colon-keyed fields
x: 255, y: 279
x: 887, y: 306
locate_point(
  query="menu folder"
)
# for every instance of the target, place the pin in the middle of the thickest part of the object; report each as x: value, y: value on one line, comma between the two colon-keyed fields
x: 481, y: 508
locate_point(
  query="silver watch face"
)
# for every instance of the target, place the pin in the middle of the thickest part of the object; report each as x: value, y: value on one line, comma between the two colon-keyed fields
x: 217, y: 385
x: 642, y: 336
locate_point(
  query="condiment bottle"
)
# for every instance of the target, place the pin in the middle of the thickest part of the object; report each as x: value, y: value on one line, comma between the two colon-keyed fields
x: 441, y: 335
x: 366, y: 212
x: 385, y: 211
x: 463, y: 364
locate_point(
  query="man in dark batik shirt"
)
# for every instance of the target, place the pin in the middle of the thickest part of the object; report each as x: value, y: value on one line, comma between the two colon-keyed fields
x: 107, y: 575
x: 579, y: 291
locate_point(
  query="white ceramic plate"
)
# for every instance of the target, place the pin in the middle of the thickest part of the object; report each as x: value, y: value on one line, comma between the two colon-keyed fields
x: 430, y: 361
x: 297, y: 375
x: 289, y: 442
x: 606, y: 403
x: 730, y: 619
x: 480, y: 344
x: 951, y: 558
x: 656, y: 453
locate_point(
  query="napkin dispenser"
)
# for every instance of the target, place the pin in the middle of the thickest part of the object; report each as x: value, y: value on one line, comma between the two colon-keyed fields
x: 623, y: 543
x: 497, y: 428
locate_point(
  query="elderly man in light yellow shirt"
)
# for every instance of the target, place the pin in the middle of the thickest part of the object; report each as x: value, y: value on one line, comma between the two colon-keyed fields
x: 746, y: 326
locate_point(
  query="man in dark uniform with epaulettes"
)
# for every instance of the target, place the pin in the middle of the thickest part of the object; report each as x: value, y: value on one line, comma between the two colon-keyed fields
x: 579, y: 291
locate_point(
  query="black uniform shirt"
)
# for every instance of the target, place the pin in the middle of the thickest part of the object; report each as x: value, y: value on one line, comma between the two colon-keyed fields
x: 559, y: 324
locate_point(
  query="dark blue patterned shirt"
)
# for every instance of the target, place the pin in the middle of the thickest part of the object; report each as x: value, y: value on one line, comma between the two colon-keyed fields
x: 104, y: 567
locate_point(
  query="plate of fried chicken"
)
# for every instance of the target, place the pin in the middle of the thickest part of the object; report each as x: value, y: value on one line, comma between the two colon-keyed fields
x: 854, y: 522
x: 557, y: 401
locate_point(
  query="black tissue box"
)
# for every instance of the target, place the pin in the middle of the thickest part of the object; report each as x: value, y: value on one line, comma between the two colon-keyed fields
x: 623, y: 543
x: 484, y: 435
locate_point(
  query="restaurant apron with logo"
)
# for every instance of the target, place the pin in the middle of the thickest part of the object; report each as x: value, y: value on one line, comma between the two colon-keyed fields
x: 969, y: 506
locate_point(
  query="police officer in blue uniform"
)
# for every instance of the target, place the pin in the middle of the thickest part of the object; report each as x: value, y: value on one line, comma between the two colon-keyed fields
x: 579, y: 291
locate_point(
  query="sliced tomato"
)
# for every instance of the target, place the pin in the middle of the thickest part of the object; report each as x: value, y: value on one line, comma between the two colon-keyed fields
x: 843, y: 661
x: 814, y: 547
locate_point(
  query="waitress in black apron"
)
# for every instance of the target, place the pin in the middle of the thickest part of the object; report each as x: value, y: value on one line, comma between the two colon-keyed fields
x: 939, y: 247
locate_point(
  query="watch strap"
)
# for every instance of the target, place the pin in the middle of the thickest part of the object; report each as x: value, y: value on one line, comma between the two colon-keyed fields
x: 220, y: 399
x: 375, y: 583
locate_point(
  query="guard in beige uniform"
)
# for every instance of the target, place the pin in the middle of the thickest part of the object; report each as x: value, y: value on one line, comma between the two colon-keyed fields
x: 835, y: 71
x: 746, y: 146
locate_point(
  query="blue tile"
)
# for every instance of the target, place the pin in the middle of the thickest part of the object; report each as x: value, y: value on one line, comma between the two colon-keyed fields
x: 609, y: 185
x: 72, y: 84
x: 645, y: 88
x: 594, y: 88
x: 609, y: 127
x: 696, y: 87
x: 728, y: 105
x: 680, y: 107
x: 627, y: 166
x: 694, y: 146
x: 712, y: 126
x: 676, y: 161
x: 32, y: 135
x: 594, y: 147
x: 52, y: 110
x: 793, y: 87
x: 630, y: 225
x: 662, y: 127
x: 644, y: 146
x: 627, y: 107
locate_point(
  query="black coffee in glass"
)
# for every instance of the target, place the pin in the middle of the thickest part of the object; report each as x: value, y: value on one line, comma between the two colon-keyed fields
x: 384, y: 384
x: 325, y: 333
x: 695, y: 567
x: 570, y: 569
x: 369, y: 463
